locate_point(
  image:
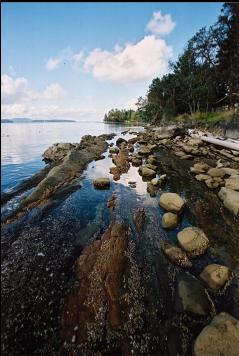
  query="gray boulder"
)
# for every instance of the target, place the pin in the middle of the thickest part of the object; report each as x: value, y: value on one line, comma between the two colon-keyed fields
x: 220, y: 337
x: 193, y: 241
x: 171, y: 202
x: 230, y: 199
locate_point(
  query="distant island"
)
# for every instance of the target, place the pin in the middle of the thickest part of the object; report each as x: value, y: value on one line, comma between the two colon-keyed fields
x: 26, y: 120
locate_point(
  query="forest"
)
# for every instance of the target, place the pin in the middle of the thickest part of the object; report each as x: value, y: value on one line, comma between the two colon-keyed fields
x: 203, y: 83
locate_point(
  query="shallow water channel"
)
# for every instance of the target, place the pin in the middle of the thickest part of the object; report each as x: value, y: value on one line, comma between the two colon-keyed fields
x: 39, y: 250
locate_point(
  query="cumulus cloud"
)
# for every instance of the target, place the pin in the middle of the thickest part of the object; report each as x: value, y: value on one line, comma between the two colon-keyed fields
x: 49, y: 111
x: 160, y: 24
x: 64, y: 56
x: 130, y: 104
x: 132, y: 63
x: 53, y: 91
x: 129, y: 63
x: 15, y: 90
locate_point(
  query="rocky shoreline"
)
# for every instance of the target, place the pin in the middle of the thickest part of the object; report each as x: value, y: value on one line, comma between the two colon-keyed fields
x: 156, y: 275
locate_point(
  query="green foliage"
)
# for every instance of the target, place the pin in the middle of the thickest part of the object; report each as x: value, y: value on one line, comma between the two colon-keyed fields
x: 204, y: 78
x: 206, y: 120
x: 122, y: 116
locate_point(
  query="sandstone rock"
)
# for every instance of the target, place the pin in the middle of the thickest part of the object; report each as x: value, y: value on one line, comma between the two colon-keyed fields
x: 151, y: 189
x: 142, y: 142
x: 191, y: 297
x: 155, y: 182
x: 188, y: 149
x: 152, y: 160
x: 139, y: 218
x: 162, y: 179
x: 169, y: 221
x: 99, y: 158
x: 220, y: 337
x: 202, y: 177
x: 216, y: 172
x: 162, y: 136
x: 193, y: 241
x: 171, y: 202
x: 100, y: 272
x: 179, y: 153
x: 199, y: 168
x: 231, y: 171
x: 119, y: 141
x: 215, y: 276
x: 72, y: 165
x: 232, y: 182
x: 147, y: 172
x: 58, y: 151
x: 114, y: 150
x: 144, y: 151
x: 151, y: 166
x: 195, y: 142
x: 121, y: 160
x: 186, y: 157
x: 102, y: 183
x: 136, y: 162
x: 111, y: 202
x: 176, y: 255
x: 132, y: 140
x: 230, y: 199
x: 212, y: 183
x: 235, y: 153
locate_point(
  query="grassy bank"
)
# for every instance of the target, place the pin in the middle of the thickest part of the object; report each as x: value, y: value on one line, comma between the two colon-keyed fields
x: 220, y: 119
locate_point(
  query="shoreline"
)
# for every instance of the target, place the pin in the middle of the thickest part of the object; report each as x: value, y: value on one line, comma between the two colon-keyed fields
x: 52, y: 253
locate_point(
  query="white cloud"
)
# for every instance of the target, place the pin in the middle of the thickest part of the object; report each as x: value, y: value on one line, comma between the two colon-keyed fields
x: 160, y: 24
x: 12, y: 88
x: 132, y: 63
x: 130, y: 104
x: 49, y: 111
x: 53, y: 91
x: 53, y: 63
x: 65, y: 56
x: 18, y: 90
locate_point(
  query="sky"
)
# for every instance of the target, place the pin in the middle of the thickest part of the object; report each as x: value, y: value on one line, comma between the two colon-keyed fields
x: 79, y: 60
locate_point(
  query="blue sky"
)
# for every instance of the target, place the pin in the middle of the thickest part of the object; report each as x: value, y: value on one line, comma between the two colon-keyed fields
x: 78, y: 60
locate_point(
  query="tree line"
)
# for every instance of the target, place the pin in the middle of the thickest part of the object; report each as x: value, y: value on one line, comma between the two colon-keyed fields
x: 204, y: 78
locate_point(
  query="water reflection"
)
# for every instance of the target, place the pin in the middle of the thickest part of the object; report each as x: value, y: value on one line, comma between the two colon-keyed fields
x: 23, y: 144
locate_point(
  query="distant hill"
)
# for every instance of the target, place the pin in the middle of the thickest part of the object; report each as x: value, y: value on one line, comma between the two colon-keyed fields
x: 6, y: 121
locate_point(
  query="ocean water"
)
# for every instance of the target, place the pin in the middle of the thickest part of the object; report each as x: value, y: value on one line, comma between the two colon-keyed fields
x: 22, y: 145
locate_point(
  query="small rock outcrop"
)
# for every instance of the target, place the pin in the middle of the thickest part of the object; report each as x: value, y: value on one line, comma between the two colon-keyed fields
x: 97, y: 298
x: 230, y: 199
x: 169, y: 221
x: 176, y: 255
x: 220, y: 337
x: 101, y: 183
x: 232, y: 182
x: 215, y: 276
x: 191, y: 296
x: 193, y: 241
x: 147, y: 172
x: 199, y: 168
x: 139, y: 219
x: 171, y: 202
x: 216, y: 172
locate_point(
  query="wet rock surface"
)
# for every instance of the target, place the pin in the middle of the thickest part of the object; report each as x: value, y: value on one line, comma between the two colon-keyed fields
x: 215, y: 276
x: 93, y: 272
x: 193, y: 241
x: 171, y: 202
x: 220, y: 337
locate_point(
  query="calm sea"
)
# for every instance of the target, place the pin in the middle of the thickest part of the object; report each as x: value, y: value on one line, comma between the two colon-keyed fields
x: 22, y: 145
